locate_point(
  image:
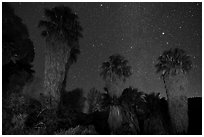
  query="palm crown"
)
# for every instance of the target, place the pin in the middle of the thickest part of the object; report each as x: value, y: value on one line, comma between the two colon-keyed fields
x: 61, y: 24
x: 173, y: 59
x: 116, y: 66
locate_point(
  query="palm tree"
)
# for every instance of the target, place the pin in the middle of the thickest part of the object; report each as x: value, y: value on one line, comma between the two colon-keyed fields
x: 113, y: 71
x: 61, y: 30
x: 132, y: 101
x: 174, y: 65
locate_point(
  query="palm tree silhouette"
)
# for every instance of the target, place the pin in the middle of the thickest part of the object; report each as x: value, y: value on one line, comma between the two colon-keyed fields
x: 113, y: 71
x: 174, y: 65
x: 62, y: 31
x: 116, y: 68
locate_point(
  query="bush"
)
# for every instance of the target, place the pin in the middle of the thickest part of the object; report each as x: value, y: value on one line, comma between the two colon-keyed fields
x: 78, y: 130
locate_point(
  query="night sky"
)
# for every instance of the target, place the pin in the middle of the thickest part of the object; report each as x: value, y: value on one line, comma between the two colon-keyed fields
x: 139, y: 31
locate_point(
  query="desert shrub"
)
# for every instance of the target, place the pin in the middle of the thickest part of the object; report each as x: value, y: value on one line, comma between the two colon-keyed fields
x: 78, y: 130
x: 14, y: 114
x: 34, y: 109
x: 21, y: 115
x: 48, y: 120
x: 94, y: 100
x: 97, y: 101
x: 73, y: 99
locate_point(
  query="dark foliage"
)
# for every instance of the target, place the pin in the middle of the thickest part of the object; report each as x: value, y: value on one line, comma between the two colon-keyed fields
x: 62, y: 24
x: 73, y: 99
x: 132, y: 103
x: 117, y: 65
x: 156, y: 118
x: 173, y: 59
x: 17, y: 48
x: 142, y: 114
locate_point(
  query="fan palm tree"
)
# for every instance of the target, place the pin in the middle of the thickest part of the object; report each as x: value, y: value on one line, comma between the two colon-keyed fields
x: 61, y: 30
x: 174, y: 65
x: 113, y: 71
x: 131, y: 101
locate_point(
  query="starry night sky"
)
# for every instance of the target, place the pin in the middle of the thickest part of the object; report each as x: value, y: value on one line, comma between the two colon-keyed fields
x: 139, y: 31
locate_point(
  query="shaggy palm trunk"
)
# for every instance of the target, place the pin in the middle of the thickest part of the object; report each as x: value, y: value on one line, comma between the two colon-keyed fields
x: 115, y: 116
x: 113, y: 86
x: 177, y: 101
x: 56, y: 57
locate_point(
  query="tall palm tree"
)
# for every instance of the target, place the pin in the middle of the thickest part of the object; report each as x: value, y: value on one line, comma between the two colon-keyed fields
x: 61, y: 30
x: 174, y: 65
x: 113, y: 71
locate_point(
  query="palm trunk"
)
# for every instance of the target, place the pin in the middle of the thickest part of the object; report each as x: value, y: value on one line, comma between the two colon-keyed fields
x: 177, y: 102
x: 115, y: 118
x: 55, y: 60
x: 115, y: 115
x: 67, y: 66
x: 163, y: 76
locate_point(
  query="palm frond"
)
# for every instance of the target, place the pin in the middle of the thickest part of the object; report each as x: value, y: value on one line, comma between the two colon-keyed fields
x: 117, y: 65
x: 173, y: 59
x: 62, y: 24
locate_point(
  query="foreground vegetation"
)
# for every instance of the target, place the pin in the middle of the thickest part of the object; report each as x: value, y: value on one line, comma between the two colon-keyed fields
x: 141, y: 114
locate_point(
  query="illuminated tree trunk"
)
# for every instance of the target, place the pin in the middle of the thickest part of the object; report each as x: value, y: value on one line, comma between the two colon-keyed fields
x: 115, y: 115
x: 176, y: 85
x: 115, y: 118
x: 56, y: 57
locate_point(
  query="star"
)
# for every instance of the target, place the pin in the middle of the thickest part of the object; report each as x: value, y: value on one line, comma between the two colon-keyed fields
x: 101, y: 5
x: 163, y: 33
